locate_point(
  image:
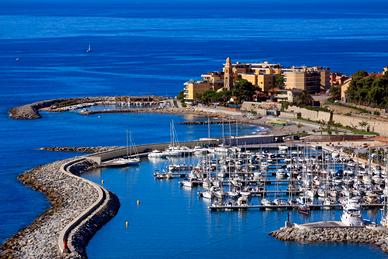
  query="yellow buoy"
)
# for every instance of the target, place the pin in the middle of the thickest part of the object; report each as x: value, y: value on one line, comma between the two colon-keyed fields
x: 126, y: 224
x: 102, y: 182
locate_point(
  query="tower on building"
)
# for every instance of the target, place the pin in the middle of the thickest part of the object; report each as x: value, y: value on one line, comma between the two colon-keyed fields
x: 228, y: 74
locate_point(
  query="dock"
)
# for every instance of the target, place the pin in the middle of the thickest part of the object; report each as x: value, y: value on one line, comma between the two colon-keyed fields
x: 285, y: 207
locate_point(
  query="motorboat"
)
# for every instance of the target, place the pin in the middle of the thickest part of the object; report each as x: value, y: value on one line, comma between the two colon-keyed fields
x: 351, y: 215
x: 156, y: 154
x: 304, y: 209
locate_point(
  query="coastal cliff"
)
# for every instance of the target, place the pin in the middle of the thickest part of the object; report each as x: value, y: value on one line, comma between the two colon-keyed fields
x: 72, y: 201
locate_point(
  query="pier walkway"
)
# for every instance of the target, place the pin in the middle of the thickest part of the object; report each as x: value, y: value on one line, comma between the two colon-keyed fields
x: 285, y: 207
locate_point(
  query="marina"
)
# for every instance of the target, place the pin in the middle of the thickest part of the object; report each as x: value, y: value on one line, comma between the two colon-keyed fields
x: 249, y: 176
x: 300, y: 177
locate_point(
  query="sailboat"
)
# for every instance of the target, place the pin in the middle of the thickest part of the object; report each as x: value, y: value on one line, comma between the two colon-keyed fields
x: 89, y: 49
x: 384, y: 216
x: 127, y: 160
x: 175, y: 150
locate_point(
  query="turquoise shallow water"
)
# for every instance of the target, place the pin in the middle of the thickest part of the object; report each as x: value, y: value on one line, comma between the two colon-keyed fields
x: 149, y: 47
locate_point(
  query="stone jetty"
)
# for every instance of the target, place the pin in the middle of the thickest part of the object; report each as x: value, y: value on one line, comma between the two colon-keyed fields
x: 31, y: 111
x: 218, y: 122
x: 334, y: 234
x: 78, y: 209
x: 80, y: 149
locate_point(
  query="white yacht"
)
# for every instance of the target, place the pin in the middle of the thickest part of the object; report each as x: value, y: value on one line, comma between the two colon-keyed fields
x: 124, y: 161
x: 242, y: 201
x: 280, y: 174
x: 199, y: 151
x: 156, y: 154
x: 351, y: 215
x: 127, y: 160
x: 207, y: 195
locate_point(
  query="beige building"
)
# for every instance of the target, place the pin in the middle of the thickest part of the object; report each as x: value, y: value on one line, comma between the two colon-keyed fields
x: 308, y: 79
x: 215, y: 79
x: 265, y: 81
x: 285, y: 95
x: 195, y: 88
x: 344, y: 89
x: 252, y: 78
x: 261, y: 75
x: 266, y: 68
x: 325, y: 78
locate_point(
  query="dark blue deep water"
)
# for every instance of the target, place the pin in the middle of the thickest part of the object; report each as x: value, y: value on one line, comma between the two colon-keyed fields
x: 152, y: 48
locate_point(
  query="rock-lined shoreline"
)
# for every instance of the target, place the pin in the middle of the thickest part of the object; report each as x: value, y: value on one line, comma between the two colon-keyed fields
x: 79, y: 149
x: 31, y: 111
x: 70, y: 197
x: 369, y: 235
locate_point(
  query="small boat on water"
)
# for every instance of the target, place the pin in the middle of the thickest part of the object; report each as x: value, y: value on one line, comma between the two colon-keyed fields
x: 207, y: 195
x: 156, y: 154
x: 242, y: 201
x: 123, y: 161
x: 127, y: 160
x: 89, y: 49
x: 304, y: 209
x: 163, y: 175
x: 187, y: 183
x: 266, y: 203
x: 351, y: 215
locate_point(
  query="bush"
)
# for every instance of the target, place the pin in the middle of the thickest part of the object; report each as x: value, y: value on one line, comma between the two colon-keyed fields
x: 368, y: 90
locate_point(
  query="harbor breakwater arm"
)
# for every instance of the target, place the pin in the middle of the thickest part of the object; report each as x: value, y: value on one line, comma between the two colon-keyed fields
x: 369, y: 235
x: 31, y: 111
x: 78, y: 209
x: 79, y: 149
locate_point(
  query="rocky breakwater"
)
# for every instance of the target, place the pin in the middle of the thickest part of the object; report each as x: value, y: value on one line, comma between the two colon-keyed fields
x: 79, y: 208
x: 370, y: 235
x: 31, y: 111
x: 79, y: 149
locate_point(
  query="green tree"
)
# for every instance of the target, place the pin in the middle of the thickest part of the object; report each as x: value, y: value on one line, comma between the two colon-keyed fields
x: 279, y: 81
x: 335, y: 92
x: 243, y: 89
x: 370, y: 90
x: 304, y: 98
x: 181, y: 96
x: 212, y: 96
x: 207, y: 97
x: 360, y: 74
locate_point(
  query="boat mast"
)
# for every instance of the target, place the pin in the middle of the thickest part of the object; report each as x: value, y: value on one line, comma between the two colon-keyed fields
x: 236, y: 133
x: 385, y: 192
x: 127, y: 144
x: 208, y: 130
x: 223, y: 132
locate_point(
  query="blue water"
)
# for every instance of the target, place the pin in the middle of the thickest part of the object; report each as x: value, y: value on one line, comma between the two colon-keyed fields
x: 152, y: 48
x: 172, y: 222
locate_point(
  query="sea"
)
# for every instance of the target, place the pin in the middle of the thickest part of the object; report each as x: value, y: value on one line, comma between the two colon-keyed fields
x: 153, y: 47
